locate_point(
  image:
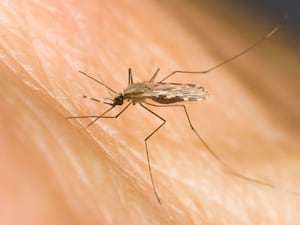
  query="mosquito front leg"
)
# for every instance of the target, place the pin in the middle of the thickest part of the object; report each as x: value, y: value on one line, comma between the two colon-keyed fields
x: 147, y: 152
x: 81, y: 117
x: 101, y: 116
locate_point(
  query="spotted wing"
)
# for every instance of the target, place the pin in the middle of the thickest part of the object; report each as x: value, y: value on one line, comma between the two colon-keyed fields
x: 166, y: 93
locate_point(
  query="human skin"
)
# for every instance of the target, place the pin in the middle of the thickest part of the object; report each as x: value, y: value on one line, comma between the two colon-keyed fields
x: 55, y: 171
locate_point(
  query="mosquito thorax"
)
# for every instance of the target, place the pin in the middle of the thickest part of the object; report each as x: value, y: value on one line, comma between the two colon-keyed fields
x: 119, y: 99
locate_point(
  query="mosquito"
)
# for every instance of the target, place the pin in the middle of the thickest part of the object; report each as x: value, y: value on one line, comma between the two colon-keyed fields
x: 164, y: 94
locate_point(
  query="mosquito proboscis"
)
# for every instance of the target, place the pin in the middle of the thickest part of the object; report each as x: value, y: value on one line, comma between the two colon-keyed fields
x: 169, y: 95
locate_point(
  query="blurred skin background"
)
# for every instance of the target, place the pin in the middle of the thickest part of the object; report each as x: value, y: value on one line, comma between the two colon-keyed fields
x: 57, y: 171
x: 275, y: 9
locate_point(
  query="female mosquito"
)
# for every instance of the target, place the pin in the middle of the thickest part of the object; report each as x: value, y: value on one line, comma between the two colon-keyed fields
x: 166, y: 95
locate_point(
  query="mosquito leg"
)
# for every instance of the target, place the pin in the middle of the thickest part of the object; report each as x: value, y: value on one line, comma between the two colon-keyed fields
x: 194, y: 130
x: 147, y: 152
x: 154, y: 75
x: 232, y: 58
x: 229, y: 169
x: 117, y: 115
x: 130, y: 78
x: 79, y: 117
x: 101, y: 116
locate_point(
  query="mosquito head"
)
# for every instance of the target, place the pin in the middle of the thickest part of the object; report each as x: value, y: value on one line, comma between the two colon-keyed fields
x: 118, y: 100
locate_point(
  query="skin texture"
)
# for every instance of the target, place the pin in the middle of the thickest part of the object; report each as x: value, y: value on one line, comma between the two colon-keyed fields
x: 56, y: 171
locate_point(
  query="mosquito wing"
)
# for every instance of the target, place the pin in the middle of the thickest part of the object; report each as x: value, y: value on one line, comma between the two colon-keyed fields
x: 165, y: 93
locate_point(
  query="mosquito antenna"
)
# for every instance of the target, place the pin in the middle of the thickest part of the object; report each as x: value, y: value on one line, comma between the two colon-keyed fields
x: 107, y: 90
x: 232, y: 58
x: 92, y: 78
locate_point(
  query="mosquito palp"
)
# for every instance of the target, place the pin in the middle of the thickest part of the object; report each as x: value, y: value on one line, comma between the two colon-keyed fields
x: 169, y: 95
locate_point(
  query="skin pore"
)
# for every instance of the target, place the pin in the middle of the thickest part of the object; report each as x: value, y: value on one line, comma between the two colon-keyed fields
x: 56, y: 171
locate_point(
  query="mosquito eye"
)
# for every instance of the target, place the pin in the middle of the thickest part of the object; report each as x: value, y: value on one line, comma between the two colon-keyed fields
x: 119, y: 100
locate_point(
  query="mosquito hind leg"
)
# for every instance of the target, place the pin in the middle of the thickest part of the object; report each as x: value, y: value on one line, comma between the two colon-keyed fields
x: 233, y: 57
x: 192, y: 127
x: 225, y: 166
x: 147, y: 152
